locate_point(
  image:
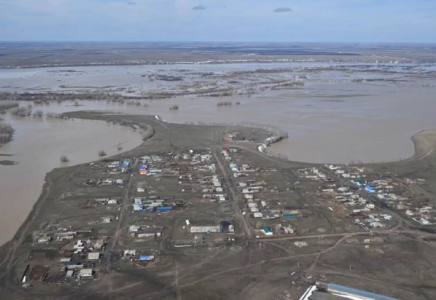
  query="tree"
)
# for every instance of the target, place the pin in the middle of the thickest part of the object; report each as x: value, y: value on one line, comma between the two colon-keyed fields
x: 64, y: 159
x: 38, y: 114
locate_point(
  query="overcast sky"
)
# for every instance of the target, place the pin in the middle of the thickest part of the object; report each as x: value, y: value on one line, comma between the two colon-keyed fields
x: 219, y: 20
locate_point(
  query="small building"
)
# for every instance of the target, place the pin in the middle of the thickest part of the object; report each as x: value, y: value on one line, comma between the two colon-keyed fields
x: 106, y: 220
x: 146, y: 257
x: 267, y: 230
x: 164, y: 208
x: 370, y: 206
x: 205, y: 229
x: 376, y: 225
x: 289, y: 216
x: 69, y: 273
x: 143, y: 170
x: 86, y: 273
x: 287, y: 229
x: 257, y: 215
x: 44, y: 239
x: 134, y: 228
x: 138, y: 207
x: 125, y: 163
x: 129, y: 253
x: 93, y: 256
x: 370, y: 189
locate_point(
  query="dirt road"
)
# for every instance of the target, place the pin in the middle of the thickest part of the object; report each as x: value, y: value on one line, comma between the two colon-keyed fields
x: 233, y: 195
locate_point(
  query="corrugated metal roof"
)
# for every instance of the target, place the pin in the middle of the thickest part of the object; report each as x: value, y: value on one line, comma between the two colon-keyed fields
x: 349, y: 290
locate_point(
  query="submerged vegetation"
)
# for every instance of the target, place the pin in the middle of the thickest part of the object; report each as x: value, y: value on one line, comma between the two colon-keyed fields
x: 64, y: 159
x: 51, y: 115
x: 4, y: 105
x: 6, y: 133
x: 22, y: 111
x: 225, y: 103
x: 38, y: 114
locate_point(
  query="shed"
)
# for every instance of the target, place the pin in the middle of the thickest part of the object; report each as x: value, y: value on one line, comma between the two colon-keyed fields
x: 129, y: 252
x: 370, y: 189
x: 69, y: 273
x: 164, y: 208
x: 146, y: 257
x: 93, y: 256
x: 134, y: 228
x: 257, y: 215
x: 267, y: 230
x: 86, y: 273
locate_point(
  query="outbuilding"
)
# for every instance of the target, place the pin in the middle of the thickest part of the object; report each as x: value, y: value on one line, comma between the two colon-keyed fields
x: 93, y: 256
x: 86, y: 273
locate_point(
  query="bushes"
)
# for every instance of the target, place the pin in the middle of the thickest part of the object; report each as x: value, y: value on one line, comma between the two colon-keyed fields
x: 64, y: 159
x: 22, y: 111
x: 38, y: 114
x: 226, y: 103
x: 54, y: 116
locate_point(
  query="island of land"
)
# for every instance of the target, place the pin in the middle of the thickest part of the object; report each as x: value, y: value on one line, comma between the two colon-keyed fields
x: 200, y: 212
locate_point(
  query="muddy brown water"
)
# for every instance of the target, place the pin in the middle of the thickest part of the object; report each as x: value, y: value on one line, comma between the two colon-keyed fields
x: 328, y: 120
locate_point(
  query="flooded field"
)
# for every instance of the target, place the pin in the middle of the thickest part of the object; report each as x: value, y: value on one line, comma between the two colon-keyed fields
x: 338, y: 112
x: 342, y: 113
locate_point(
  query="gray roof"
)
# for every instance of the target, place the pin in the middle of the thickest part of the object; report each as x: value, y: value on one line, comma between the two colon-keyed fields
x: 346, y: 289
x: 324, y: 296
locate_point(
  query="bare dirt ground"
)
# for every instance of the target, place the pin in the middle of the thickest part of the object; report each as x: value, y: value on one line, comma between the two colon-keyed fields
x: 424, y: 143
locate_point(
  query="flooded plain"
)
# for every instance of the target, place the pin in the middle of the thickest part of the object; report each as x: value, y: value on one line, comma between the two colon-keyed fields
x: 332, y: 118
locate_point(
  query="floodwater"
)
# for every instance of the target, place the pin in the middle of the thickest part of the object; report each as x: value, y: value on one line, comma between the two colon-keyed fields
x: 37, y: 147
x: 330, y: 119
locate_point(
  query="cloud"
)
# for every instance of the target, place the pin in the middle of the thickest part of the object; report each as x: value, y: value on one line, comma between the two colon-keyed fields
x: 131, y: 3
x: 282, y: 9
x: 199, y: 7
